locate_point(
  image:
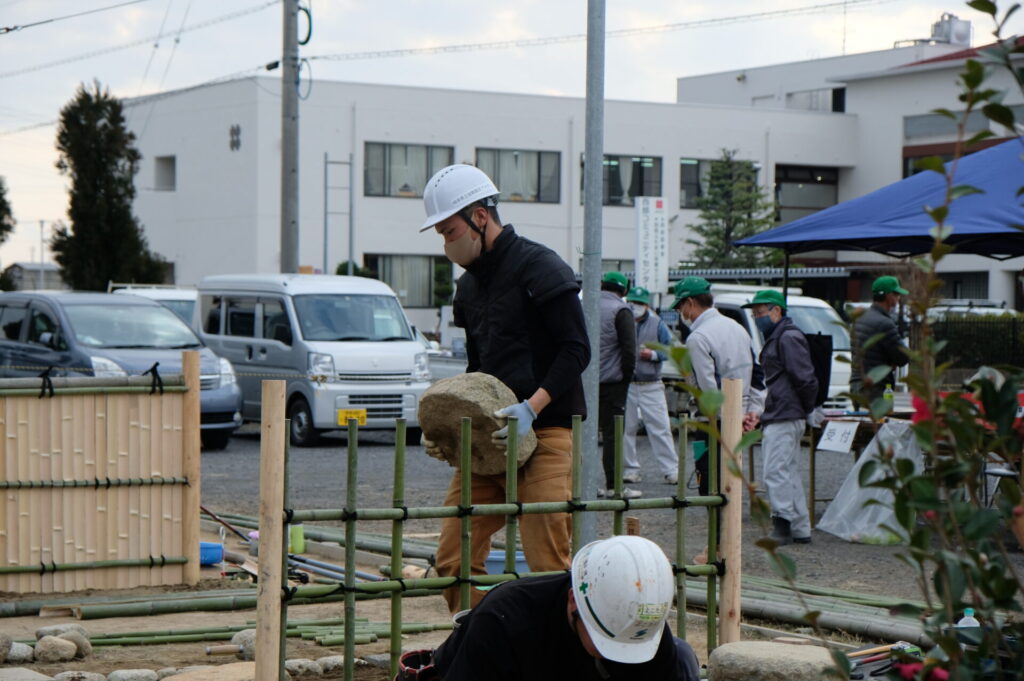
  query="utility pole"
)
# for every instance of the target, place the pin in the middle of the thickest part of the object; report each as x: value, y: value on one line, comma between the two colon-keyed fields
x: 290, y: 139
x: 593, y: 212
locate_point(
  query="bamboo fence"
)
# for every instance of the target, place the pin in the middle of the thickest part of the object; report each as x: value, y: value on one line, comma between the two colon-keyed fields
x: 274, y: 594
x: 99, y: 482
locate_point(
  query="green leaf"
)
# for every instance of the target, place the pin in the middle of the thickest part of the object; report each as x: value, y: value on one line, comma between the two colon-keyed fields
x: 939, y: 214
x: 932, y: 163
x: 879, y: 372
x: 782, y: 565
x: 940, y: 232
x: 978, y: 137
x: 748, y: 439
x: 984, y: 6
x: 710, y: 401
x: 981, y: 524
x: 999, y: 113
x: 962, y: 190
x: 945, y: 112
x: 880, y: 407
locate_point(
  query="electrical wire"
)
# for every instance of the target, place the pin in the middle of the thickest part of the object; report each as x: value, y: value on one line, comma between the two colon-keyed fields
x: 156, y: 45
x: 580, y: 37
x: 167, y: 66
x: 21, y: 27
x: 135, y: 43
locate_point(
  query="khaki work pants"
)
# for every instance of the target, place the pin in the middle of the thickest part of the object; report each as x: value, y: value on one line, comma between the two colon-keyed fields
x: 547, y: 476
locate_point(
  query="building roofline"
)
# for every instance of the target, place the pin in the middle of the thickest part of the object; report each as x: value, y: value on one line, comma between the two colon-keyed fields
x: 942, y: 62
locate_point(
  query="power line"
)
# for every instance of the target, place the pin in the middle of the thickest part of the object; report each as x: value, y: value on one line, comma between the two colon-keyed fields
x: 12, y: 29
x: 156, y: 46
x: 580, y: 37
x: 143, y: 41
x: 167, y: 66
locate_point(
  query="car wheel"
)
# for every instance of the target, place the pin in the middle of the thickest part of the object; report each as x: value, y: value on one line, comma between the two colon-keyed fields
x: 303, y: 434
x: 215, y: 440
x: 412, y: 436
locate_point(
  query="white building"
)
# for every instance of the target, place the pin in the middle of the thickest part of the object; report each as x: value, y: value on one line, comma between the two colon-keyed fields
x: 209, y: 184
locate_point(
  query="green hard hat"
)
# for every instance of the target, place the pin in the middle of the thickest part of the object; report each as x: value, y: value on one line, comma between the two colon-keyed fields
x: 888, y: 284
x: 638, y: 294
x: 689, y: 287
x: 767, y: 297
x: 617, y: 278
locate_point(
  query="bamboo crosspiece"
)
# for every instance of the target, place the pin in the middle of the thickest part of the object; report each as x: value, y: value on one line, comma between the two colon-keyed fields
x: 272, y: 514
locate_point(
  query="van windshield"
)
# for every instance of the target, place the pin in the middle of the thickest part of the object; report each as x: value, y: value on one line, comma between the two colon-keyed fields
x: 129, y: 326
x: 821, y: 320
x: 340, y: 317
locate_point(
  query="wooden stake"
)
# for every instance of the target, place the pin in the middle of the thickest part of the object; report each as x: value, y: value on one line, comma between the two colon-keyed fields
x: 268, y: 608
x: 732, y: 513
x: 633, y: 525
x: 191, y: 467
x: 8, y: 518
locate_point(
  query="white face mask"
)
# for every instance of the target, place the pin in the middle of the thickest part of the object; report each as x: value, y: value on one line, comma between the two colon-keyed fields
x: 638, y: 310
x: 464, y: 250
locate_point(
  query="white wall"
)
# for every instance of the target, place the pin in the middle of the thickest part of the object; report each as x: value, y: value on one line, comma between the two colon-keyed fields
x: 767, y: 86
x: 223, y: 217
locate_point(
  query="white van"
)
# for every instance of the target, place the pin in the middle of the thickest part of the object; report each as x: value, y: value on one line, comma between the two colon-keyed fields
x: 812, y: 315
x: 343, y: 344
x: 180, y: 301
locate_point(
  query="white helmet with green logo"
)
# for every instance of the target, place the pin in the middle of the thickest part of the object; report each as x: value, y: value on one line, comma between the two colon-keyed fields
x: 623, y: 587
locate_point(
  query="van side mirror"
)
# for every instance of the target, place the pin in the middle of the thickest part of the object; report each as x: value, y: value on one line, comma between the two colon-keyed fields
x: 48, y: 339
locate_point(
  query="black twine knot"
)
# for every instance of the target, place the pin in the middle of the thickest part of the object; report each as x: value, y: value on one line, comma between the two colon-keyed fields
x: 519, y: 507
x: 465, y: 510
x: 405, y: 513
x: 349, y: 515
x: 680, y: 503
x: 47, y: 385
x: 289, y: 513
x: 158, y: 383
x: 576, y: 505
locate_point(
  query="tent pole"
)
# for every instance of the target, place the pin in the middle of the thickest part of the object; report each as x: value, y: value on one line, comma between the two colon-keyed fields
x: 785, y: 277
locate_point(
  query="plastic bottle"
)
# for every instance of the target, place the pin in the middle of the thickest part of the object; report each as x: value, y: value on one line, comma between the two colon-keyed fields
x: 888, y: 395
x: 968, y: 628
x: 968, y: 620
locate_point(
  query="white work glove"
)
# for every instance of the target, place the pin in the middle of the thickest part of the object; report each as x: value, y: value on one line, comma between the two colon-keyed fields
x: 522, y: 411
x: 431, y: 448
x: 816, y: 417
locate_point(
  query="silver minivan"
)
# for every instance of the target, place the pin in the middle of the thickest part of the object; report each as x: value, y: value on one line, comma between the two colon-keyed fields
x: 343, y: 344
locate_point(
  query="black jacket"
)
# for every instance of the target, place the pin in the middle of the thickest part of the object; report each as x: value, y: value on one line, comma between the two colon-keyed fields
x: 521, y: 632
x: 788, y: 373
x: 886, y: 351
x: 520, y: 308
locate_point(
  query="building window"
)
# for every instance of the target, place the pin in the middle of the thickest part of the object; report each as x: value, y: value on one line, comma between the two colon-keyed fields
x: 402, y: 169
x: 165, y: 179
x: 418, y: 280
x: 803, y: 190
x: 532, y: 176
x: 693, y: 181
x: 626, y: 177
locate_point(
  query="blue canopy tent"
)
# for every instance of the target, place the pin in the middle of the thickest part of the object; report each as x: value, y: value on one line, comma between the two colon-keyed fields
x: 892, y: 220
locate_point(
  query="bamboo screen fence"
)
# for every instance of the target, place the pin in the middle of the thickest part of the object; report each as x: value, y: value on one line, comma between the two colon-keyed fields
x: 99, y: 482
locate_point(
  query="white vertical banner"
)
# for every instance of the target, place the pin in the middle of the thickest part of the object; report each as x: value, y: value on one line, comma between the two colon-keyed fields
x: 651, y: 263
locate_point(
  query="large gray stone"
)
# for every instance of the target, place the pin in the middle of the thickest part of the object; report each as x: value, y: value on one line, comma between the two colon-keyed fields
x: 79, y: 676
x: 20, y: 653
x: 767, y: 661
x: 246, y: 642
x: 300, y: 666
x: 329, y: 663
x: 132, y: 675
x: 233, y: 671
x: 53, y: 649
x: 478, y: 396
x: 165, y: 672
x: 58, y: 629
x: 84, y: 648
x: 5, y: 646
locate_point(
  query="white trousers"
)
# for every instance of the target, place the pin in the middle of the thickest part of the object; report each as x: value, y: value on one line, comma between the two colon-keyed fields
x: 647, y: 401
x: 781, y: 446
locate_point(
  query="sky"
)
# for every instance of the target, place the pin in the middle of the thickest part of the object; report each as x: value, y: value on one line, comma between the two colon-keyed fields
x: 41, y: 66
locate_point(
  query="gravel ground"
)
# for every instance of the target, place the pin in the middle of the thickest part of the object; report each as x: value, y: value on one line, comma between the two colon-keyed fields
x: 317, y: 480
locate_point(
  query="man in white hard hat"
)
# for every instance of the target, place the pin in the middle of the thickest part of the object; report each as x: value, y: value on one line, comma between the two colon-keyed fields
x: 604, y: 621
x: 518, y: 302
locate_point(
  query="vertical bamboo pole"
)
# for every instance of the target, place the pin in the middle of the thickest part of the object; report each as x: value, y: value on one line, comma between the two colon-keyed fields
x: 282, y: 618
x: 106, y: 467
x: 713, y: 513
x: 619, y: 486
x: 175, y: 464
x: 511, y: 492
x: 37, y: 505
x: 148, y: 548
x: 683, y: 451
x: 269, y: 663
x: 122, y: 438
x: 732, y: 514
x: 167, y: 446
x: 73, y: 428
x: 137, y: 541
x: 812, y: 454
x: 50, y: 541
x: 577, y: 478
x: 86, y: 528
x: 6, y: 527
x: 191, y: 467
x: 465, y: 499
x: 397, y: 526
x: 156, y: 494
x: 350, y: 549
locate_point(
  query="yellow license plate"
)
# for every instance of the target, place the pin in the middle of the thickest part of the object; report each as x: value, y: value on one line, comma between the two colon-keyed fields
x: 345, y: 414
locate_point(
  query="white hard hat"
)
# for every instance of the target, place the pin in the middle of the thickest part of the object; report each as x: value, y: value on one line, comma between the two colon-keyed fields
x: 623, y: 588
x: 453, y: 188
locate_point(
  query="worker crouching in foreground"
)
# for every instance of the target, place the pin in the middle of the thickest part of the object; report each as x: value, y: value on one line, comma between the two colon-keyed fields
x: 603, y: 622
x: 518, y: 302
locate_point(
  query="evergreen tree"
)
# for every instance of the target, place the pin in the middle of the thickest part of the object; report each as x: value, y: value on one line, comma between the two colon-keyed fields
x: 105, y: 241
x: 6, y: 214
x: 733, y: 208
